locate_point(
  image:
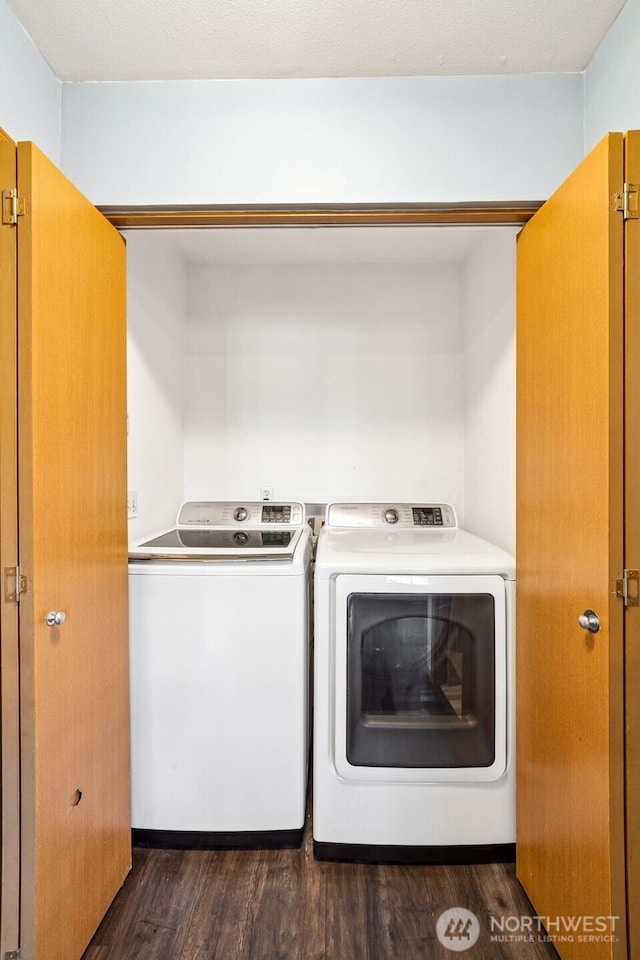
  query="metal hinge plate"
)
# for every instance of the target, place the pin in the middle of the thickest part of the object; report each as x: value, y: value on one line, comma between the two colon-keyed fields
x: 628, y: 589
x: 13, y: 206
x: 15, y: 584
x: 12, y: 955
x: 626, y: 202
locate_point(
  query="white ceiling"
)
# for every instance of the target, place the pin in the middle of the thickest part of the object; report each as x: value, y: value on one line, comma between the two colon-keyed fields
x: 233, y: 39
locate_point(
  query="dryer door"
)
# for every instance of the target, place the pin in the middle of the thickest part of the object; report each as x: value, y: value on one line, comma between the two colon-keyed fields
x: 420, y: 678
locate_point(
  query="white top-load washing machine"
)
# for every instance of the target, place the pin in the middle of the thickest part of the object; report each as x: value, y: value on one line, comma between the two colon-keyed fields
x: 219, y: 638
x: 413, y: 687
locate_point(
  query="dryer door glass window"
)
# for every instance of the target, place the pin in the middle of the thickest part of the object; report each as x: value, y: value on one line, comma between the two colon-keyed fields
x: 420, y: 680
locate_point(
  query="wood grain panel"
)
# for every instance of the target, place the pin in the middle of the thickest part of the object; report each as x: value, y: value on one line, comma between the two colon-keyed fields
x: 570, y: 838
x: 73, y: 544
x: 9, y: 659
x: 632, y: 544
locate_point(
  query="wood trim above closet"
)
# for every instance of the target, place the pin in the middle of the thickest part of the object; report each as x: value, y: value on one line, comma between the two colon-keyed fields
x: 460, y: 214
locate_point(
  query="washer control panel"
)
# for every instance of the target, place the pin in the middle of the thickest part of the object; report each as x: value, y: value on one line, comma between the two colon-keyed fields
x: 402, y: 516
x: 248, y: 514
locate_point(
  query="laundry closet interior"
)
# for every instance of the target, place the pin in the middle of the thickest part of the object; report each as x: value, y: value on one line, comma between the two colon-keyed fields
x: 323, y: 363
x: 277, y: 367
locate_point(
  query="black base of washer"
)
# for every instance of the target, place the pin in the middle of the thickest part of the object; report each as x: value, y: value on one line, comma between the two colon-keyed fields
x: 206, y: 840
x: 384, y: 853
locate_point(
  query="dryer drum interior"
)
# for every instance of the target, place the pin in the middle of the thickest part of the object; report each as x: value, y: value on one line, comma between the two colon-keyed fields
x: 420, y: 680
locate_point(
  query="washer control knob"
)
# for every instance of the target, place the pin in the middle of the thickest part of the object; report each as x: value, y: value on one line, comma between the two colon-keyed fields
x: 241, y: 537
x: 240, y: 513
x: 391, y: 515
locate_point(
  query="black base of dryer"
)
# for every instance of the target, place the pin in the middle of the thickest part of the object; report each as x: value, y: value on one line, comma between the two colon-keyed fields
x: 434, y: 855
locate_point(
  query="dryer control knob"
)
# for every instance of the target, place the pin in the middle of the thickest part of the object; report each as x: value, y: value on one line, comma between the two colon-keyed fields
x: 391, y: 515
x: 240, y: 513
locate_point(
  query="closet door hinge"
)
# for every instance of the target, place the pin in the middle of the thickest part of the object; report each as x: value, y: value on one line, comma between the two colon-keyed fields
x: 15, y: 584
x: 628, y: 590
x: 12, y: 955
x: 626, y: 202
x: 13, y: 206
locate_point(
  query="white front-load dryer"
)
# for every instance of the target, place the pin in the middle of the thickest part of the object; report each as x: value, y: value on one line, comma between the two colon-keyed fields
x: 413, y: 756
x: 219, y: 661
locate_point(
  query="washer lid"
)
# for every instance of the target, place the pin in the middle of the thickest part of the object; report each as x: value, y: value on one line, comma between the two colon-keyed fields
x: 206, y: 544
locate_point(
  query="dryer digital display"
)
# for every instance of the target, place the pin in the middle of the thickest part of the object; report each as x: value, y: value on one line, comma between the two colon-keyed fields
x: 427, y: 516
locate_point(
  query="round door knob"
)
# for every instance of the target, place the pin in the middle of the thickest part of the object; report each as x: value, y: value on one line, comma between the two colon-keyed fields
x: 55, y: 618
x: 391, y: 515
x: 590, y: 621
x: 240, y: 513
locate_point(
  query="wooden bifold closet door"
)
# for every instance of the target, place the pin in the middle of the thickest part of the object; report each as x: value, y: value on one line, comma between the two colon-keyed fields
x: 72, y: 533
x: 572, y: 844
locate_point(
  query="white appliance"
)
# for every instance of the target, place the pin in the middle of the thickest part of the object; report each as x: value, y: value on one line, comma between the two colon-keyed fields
x: 219, y: 638
x: 413, y: 687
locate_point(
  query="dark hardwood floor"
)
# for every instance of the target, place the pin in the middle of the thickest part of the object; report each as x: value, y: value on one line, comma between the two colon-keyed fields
x: 284, y: 905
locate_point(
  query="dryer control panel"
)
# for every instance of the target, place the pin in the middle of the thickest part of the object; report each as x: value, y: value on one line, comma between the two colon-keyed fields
x: 401, y: 516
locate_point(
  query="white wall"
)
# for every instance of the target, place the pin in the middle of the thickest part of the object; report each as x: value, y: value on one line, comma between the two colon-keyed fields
x: 155, y: 364
x: 488, y: 309
x: 612, y: 79
x: 326, y: 382
x: 30, y: 94
x: 357, y: 140
x: 423, y: 139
